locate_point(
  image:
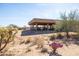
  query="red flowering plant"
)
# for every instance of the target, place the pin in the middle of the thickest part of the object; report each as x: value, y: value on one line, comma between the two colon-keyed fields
x: 55, y: 45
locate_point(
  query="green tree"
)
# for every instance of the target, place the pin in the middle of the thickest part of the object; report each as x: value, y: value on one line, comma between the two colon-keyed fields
x: 70, y: 22
x: 13, y: 26
x: 65, y: 23
x: 73, y: 19
x: 58, y: 27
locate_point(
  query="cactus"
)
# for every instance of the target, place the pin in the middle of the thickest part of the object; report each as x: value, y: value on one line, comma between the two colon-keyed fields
x: 13, y: 32
x: 6, y: 34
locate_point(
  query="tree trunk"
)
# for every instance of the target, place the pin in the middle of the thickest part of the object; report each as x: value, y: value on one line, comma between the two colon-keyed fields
x: 54, y: 51
x: 1, y: 40
x: 5, y: 44
x: 67, y: 34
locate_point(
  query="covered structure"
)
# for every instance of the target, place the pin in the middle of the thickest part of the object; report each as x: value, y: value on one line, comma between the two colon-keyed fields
x: 38, y: 24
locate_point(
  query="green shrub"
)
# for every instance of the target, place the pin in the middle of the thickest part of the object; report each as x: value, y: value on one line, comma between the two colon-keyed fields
x: 59, y: 36
x: 52, y: 37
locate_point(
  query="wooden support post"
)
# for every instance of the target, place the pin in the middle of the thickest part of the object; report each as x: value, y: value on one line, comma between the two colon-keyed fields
x: 50, y: 27
x: 32, y: 27
x: 47, y: 26
x: 36, y: 27
x: 44, y: 28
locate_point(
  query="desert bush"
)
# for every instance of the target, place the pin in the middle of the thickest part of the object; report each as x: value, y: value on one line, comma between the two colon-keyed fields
x: 22, y: 42
x: 46, y: 39
x: 28, y: 49
x: 44, y: 50
x: 59, y: 36
x: 28, y: 40
x: 52, y: 37
x: 39, y: 41
x: 25, y: 41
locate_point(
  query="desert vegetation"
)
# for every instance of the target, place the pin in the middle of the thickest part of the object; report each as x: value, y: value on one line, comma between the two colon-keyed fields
x: 63, y: 41
x: 7, y: 34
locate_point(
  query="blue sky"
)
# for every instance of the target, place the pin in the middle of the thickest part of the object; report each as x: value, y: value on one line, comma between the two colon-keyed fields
x: 20, y: 13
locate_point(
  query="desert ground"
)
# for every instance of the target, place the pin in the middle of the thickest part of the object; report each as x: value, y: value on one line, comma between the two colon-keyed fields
x: 22, y: 47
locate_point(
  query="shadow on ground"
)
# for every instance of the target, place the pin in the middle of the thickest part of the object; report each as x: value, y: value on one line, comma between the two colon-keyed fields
x: 55, y: 54
x: 30, y: 32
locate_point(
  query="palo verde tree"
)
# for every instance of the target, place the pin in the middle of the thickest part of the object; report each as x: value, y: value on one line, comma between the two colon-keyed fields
x: 73, y: 19
x: 58, y: 26
x: 70, y: 22
x: 64, y: 23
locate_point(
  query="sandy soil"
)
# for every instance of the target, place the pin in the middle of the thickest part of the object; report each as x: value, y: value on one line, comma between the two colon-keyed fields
x: 19, y: 48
